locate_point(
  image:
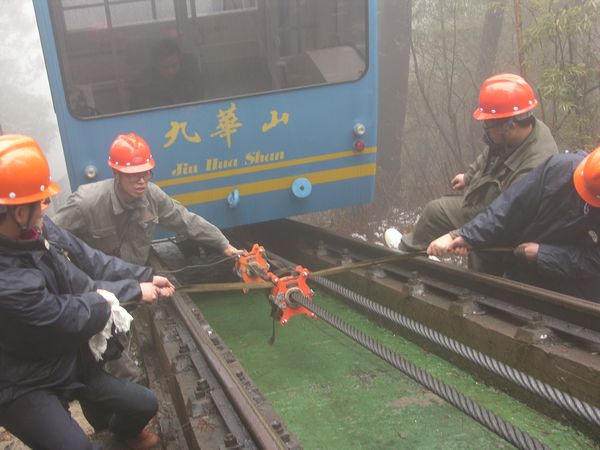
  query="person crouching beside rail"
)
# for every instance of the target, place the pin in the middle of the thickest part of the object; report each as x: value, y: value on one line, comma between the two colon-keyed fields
x: 552, y: 218
x: 57, y: 301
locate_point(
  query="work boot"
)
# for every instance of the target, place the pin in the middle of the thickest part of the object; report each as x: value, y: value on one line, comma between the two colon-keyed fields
x: 145, y: 440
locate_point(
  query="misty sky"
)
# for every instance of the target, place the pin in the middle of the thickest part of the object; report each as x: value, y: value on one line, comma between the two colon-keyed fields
x: 24, y: 91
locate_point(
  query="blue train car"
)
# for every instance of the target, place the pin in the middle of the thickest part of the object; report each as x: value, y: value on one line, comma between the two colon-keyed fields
x: 253, y: 109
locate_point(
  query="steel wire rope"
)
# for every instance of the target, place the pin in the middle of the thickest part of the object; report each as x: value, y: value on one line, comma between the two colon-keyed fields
x: 552, y: 394
x: 505, y: 430
x: 562, y: 399
x: 198, y: 266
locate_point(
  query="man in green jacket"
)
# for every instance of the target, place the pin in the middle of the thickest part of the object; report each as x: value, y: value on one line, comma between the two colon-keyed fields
x: 516, y: 141
x: 118, y: 216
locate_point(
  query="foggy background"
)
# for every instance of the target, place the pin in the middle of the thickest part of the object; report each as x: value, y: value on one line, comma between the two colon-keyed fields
x: 24, y: 90
x: 433, y: 54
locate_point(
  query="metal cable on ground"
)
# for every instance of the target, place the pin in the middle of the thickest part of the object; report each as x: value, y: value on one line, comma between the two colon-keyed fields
x: 198, y: 266
x: 494, y: 423
x: 556, y: 396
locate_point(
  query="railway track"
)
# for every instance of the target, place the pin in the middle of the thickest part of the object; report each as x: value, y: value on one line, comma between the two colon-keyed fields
x: 551, y: 337
x: 491, y: 327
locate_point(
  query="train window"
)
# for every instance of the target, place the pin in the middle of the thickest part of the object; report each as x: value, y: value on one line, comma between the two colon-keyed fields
x: 119, y: 56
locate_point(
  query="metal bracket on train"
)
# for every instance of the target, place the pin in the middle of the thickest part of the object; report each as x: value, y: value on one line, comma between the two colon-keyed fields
x: 252, y: 267
x: 284, y: 307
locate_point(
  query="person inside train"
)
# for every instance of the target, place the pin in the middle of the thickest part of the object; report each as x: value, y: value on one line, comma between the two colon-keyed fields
x: 171, y: 78
x: 516, y: 142
x: 58, y: 305
x: 551, y: 218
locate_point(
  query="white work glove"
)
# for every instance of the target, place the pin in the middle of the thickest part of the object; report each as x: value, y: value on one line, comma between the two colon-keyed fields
x: 118, y: 316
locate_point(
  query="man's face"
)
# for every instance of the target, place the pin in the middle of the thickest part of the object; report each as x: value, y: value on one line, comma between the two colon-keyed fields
x: 133, y: 185
x: 31, y: 214
x: 169, y: 66
x: 39, y: 220
x: 498, y: 130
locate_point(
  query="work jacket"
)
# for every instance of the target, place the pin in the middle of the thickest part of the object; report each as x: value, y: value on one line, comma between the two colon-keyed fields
x: 545, y: 208
x: 481, y: 189
x: 49, y: 308
x: 95, y: 214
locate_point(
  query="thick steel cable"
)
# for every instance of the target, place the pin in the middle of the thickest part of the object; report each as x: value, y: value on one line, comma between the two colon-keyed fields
x: 485, y: 417
x: 556, y: 396
x: 550, y: 393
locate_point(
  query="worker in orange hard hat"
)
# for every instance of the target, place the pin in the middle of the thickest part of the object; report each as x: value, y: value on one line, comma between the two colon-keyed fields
x: 25, y: 185
x: 58, y: 300
x: 119, y: 216
x: 516, y: 142
x: 552, y: 219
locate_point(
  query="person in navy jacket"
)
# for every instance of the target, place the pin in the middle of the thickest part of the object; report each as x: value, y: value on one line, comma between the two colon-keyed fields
x: 52, y: 301
x: 551, y: 218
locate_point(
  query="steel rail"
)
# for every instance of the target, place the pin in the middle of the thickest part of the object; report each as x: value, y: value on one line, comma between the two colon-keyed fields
x: 519, y: 293
x: 260, y: 430
x: 500, y: 287
x: 517, y: 311
x: 232, y: 421
x: 258, y: 427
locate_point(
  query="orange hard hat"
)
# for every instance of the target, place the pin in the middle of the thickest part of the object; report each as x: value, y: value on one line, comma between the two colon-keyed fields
x: 130, y: 153
x: 587, y: 178
x: 504, y: 95
x: 24, y: 172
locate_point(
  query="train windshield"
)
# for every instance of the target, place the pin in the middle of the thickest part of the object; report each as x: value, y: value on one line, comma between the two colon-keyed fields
x: 118, y: 56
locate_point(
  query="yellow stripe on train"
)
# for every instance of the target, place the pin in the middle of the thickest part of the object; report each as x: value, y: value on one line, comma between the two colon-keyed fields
x: 277, y: 184
x: 262, y: 167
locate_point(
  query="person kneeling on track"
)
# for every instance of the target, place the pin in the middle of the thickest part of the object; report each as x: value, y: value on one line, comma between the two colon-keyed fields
x: 516, y: 143
x: 55, y: 298
x: 552, y: 218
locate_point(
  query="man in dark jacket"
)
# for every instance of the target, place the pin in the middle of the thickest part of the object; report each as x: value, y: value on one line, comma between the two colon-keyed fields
x: 52, y: 301
x: 552, y: 217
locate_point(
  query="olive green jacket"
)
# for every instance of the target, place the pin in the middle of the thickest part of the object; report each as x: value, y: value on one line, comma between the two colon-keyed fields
x: 95, y: 214
x: 481, y: 190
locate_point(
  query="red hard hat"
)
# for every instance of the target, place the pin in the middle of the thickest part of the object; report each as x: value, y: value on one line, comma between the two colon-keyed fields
x: 587, y: 178
x: 24, y: 172
x: 504, y: 95
x: 130, y: 154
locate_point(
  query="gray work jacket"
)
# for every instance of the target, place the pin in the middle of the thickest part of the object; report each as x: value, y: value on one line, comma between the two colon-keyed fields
x: 482, y: 189
x: 95, y: 214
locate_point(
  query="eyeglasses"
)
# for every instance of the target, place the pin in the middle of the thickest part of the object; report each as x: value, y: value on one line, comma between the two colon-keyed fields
x: 494, y: 123
x: 147, y: 175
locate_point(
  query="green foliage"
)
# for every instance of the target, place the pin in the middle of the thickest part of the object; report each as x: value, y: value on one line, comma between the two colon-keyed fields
x: 450, y: 40
x: 563, y: 51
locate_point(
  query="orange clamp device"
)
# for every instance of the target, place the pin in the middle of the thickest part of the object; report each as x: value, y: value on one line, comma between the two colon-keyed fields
x: 281, y: 294
x: 252, y: 267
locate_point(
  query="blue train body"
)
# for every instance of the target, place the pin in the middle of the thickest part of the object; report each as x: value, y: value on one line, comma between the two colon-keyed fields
x: 278, y: 128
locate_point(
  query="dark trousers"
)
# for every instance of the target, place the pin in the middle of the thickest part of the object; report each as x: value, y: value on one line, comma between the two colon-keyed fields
x: 42, y: 421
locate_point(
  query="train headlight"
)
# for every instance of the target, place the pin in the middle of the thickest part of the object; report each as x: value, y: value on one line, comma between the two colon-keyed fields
x: 359, y: 129
x: 90, y: 171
